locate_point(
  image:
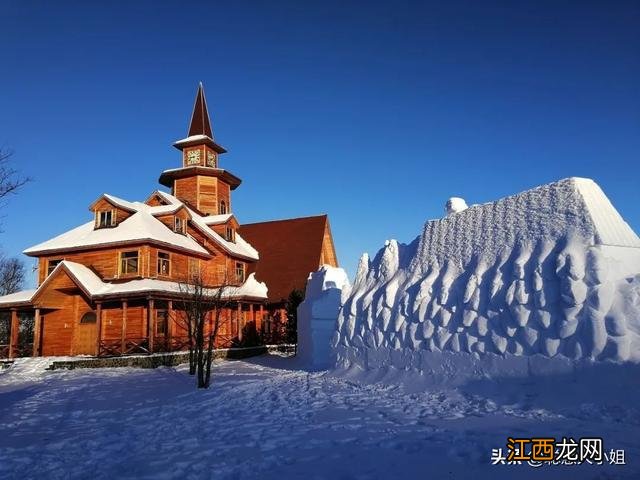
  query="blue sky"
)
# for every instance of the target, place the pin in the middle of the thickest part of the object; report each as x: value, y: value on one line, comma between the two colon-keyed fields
x: 374, y: 113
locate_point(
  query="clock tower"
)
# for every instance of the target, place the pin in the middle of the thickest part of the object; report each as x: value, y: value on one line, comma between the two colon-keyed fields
x: 200, y: 182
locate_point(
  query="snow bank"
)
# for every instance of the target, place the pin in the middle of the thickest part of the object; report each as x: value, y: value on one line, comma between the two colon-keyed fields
x: 530, y: 284
x: 317, y: 315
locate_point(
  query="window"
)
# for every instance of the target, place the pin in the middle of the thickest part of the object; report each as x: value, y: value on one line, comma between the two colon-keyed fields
x: 52, y: 264
x: 180, y: 226
x: 129, y: 262
x: 223, y: 207
x: 240, y: 272
x: 164, y: 263
x: 194, y: 268
x: 162, y: 322
x: 89, y: 317
x: 230, y: 235
x: 105, y: 218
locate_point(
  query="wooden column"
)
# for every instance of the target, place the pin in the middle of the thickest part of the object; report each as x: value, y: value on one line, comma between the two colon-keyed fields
x: 36, y: 333
x: 252, y: 316
x: 13, y: 333
x: 124, y: 327
x: 170, y: 322
x: 239, y: 321
x: 151, y: 324
x: 98, y: 327
x: 261, y: 316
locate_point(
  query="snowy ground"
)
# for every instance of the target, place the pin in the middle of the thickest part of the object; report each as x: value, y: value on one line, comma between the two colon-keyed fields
x: 264, y: 418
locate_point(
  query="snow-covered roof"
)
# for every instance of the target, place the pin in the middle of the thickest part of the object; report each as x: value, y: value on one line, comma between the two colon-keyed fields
x: 95, y: 288
x: 23, y: 296
x: 193, y: 139
x: 217, y: 219
x: 144, y: 226
x: 141, y: 226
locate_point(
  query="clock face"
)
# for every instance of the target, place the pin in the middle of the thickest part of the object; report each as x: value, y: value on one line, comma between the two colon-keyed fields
x: 193, y: 157
x: 211, y: 159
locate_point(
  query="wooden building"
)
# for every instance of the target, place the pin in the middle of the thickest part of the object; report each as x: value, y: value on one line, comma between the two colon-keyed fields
x: 110, y: 286
x: 289, y: 251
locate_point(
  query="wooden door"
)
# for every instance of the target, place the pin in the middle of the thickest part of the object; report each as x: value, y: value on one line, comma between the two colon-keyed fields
x: 85, y: 335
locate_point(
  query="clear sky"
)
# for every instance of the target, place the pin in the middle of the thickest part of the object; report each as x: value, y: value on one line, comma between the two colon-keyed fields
x: 374, y: 113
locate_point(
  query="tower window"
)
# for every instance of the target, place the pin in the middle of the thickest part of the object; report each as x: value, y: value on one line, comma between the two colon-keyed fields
x: 164, y: 263
x: 180, y: 226
x: 105, y: 218
x: 223, y: 207
x: 240, y: 272
x: 129, y: 262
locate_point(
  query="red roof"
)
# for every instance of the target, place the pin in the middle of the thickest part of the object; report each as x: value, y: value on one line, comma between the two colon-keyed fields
x: 289, y: 251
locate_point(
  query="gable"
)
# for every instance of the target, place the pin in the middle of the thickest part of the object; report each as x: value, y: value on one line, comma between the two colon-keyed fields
x: 289, y: 251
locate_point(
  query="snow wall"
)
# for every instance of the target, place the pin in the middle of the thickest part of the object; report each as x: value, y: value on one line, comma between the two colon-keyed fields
x: 317, y: 315
x: 537, y: 283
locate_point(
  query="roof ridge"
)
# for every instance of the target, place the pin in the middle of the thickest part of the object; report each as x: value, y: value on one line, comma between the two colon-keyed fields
x: 325, y: 215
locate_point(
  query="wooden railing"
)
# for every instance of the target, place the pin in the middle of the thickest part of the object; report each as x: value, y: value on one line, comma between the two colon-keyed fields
x: 23, y: 350
x: 4, y: 351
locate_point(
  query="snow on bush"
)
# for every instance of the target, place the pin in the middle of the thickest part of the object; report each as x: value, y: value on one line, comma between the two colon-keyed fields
x: 499, y: 288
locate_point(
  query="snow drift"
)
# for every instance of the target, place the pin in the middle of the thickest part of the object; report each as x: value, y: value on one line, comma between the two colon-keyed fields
x: 530, y: 284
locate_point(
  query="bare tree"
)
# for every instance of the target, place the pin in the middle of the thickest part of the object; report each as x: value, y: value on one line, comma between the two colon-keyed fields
x: 10, y: 179
x: 12, y: 275
x: 200, y: 309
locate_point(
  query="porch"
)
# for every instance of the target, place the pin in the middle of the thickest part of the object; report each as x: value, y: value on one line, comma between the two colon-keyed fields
x: 128, y: 326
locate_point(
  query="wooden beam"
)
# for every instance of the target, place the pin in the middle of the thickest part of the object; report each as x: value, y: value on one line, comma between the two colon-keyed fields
x: 124, y: 327
x: 170, y: 321
x: 151, y: 324
x: 37, y: 327
x: 239, y: 321
x: 98, y: 327
x: 261, y: 317
x: 13, y: 333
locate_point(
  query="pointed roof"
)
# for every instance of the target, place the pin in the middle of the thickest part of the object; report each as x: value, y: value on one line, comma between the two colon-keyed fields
x: 200, y: 131
x: 200, y: 122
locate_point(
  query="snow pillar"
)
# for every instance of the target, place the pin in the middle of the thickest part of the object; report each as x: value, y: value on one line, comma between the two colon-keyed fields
x: 318, y: 313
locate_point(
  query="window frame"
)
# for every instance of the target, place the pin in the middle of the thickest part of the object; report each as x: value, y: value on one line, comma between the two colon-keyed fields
x: 112, y: 219
x: 163, y: 314
x: 87, y: 314
x: 121, y: 258
x: 240, y: 272
x: 222, y: 208
x: 49, y: 262
x: 180, y: 225
x: 161, y: 260
x: 230, y: 234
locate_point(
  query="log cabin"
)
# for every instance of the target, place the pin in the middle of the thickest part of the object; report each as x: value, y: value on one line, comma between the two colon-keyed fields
x: 111, y: 286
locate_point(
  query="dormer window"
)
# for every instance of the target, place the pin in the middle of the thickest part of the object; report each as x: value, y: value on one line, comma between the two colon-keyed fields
x: 223, y: 207
x: 105, y: 218
x: 230, y: 234
x: 180, y: 226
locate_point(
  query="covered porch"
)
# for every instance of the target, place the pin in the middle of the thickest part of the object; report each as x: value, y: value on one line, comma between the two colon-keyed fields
x: 126, y: 326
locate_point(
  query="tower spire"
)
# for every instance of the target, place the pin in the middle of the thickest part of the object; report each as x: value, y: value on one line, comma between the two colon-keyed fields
x: 200, y: 122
